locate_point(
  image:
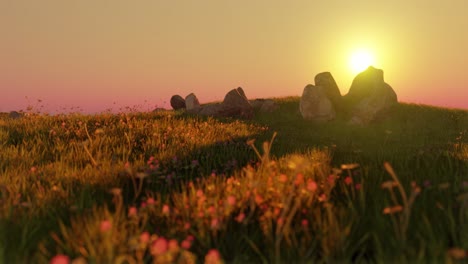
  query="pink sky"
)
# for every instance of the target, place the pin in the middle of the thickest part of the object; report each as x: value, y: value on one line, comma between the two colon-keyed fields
x: 94, y: 53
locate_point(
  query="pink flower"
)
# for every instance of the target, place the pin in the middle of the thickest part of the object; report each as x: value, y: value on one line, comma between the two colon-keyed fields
x: 213, y: 257
x: 215, y: 223
x: 132, y: 211
x: 240, y: 217
x: 187, y: 226
x: 231, y: 200
x: 173, y: 245
x: 199, y: 193
x: 186, y: 244
x: 144, y: 237
x: 211, y: 210
x: 283, y: 178
x: 150, y: 201
x: 311, y: 185
x: 165, y: 209
x: 305, y: 223
x: 159, y: 246
x: 105, y: 226
x: 358, y: 186
x: 60, y: 259
x: 299, y: 179
x: 348, y: 180
x: 33, y: 169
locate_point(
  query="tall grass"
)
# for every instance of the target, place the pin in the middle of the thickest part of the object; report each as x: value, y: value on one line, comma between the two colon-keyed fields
x: 168, y: 187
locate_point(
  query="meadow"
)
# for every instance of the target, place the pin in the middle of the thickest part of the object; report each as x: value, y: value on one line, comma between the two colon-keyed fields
x: 168, y: 187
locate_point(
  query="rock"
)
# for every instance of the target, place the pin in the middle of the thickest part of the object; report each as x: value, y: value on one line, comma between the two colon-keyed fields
x: 211, y: 110
x: 236, y: 104
x: 177, y: 102
x: 369, y: 97
x: 264, y: 105
x: 192, y: 104
x: 269, y: 106
x: 315, y: 105
x: 14, y: 115
x: 326, y: 81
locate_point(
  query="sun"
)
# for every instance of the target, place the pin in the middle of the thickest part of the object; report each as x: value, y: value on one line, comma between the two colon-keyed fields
x: 360, y: 60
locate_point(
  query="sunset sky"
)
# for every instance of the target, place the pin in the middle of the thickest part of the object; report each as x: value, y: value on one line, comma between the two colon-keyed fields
x: 100, y: 54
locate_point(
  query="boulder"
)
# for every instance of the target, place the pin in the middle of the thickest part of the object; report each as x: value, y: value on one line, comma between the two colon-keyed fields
x: 192, y: 104
x: 326, y: 81
x: 269, y: 106
x: 14, y: 115
x: 236, y: 104
x: 264, y: 105
x: 369, y: 97
x: 177, y: 102
x: 315, y: 105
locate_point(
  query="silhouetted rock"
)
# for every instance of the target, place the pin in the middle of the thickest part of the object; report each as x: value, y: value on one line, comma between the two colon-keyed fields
x: 192, y: 104
x: 369, y: 97
x: 177, y: 102
x: 326, y: 81
x: 264, y: 105
x: 236, y: 104
x: 15, y: 115
x: 315, y: 105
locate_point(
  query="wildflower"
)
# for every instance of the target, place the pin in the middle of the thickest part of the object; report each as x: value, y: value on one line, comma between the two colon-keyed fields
x: 311, y: 185
x: 213, y: 257
x: 214, y: 223
x: 132, y: 211
x: 33, y: 169
x: 150, y: 201
x: 144, y: 237
x: 348, y: 180
x: 258, y: 199
x: 105, y: 226
x: 211, y: 210
x: 199, y: 193
x: 304, y: 223
x: 358, y: 186
x: 187, y: 226
x: 173, y: 245
x: 165, y: 209
x: 186, y: 244
x: 231, y: 200
x: 331, y: 179
x: 60, y: 259
x: 283, y: 178
x: 280, y: 221
x: 159, y: 246
x: 143, y: 204
x: 240, y: 217
x: 299, y: 179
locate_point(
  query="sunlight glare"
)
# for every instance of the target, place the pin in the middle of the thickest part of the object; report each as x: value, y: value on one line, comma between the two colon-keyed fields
x: 360, y: 60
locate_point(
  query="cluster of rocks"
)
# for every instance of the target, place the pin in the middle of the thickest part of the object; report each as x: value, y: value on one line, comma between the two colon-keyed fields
x: 235, y: 104
x: 369, y: 98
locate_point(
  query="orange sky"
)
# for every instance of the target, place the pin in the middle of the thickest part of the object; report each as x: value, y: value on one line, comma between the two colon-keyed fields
x: 92, y: 53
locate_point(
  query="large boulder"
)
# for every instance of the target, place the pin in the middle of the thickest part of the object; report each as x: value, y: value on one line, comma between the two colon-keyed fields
x: 236, y: 104
x: 192, y: 104
x: 326, y: 81
x: 177, y: 102
x: 369, y: 97
x: 315, y: 105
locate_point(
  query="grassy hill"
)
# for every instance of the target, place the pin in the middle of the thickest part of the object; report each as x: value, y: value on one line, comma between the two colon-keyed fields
x: 170, y: 187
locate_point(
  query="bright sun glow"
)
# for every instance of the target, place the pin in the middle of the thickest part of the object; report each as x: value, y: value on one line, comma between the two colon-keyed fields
x: 360, y: 60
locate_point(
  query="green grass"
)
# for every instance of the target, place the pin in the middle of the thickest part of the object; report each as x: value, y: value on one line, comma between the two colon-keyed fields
x: 169, y: 187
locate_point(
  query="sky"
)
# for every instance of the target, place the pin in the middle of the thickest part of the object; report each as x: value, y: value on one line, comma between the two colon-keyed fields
x: 95, y: 55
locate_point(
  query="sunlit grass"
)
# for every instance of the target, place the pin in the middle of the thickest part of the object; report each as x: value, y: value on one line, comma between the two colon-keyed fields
x: 168, y: 187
